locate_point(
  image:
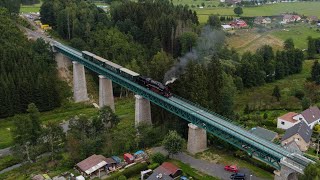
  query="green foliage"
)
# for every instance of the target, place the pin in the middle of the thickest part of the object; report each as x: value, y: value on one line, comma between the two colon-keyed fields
x: 305, y: 103
x: 315, y: 72
x: 7, y: 161
x: 276, y: 93
x: 13, y: 6
x: 153, y: 166
x: 158, y: 158
x: 28, y: 73
x: 288, y: 44
x: 238, y: 10
x: 130, y: 171
x: 187, y: 41
x: 311, y: 172
x: 214, y: 21
x: 173, y: 142
x: 159, y: 65
x: 149, y: 135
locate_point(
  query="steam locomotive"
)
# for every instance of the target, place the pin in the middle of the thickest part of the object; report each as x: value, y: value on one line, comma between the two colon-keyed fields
x: 149, y: 83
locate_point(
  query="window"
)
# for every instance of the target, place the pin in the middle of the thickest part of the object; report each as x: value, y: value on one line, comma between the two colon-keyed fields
x: 282, y: 122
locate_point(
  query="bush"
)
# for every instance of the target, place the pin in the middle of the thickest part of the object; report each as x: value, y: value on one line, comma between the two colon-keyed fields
x: 129, y: 172
x: 122, y: 177
x: 158, y: 158
x: 153, y: 166
x: 299, y: 94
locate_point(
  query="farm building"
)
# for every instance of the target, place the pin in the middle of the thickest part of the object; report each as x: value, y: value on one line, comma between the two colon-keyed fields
x: 94, y: 166
x: 262, y: 20
x: 300, y: 134
x: 238, y: 23
x: 167, y: 171
x: 290, y: 18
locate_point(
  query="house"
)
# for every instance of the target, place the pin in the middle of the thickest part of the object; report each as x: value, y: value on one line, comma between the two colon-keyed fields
x: 300, y: 134
x: 262, y: 20
x: 238, y: 23
x: 93, y: 166
x: 312, y: 19
x: 286, y: 121
x: 128, y: 158
x: 311, y: 116
x: 264, y: 133
x: 290, y: 18
x: 167, y: 171
x: 226, y: 27
x: 292, y: 147
x: 232, y: 1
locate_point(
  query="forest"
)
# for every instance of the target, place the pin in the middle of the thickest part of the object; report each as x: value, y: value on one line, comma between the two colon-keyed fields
x: 27, y: 71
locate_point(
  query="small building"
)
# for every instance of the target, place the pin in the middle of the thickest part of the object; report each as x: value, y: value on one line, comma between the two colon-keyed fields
x: 111, y: 165
x: 128, y: 158
x: 226, y: 27
x: 290, y: 18
x: 312, y: 19
x: 93, y: 166
x: 140, y: 156
x: 262, y: 20
x: 167, y: 171
x: 300, y: 134
x: 286, y: 121
x: 264, y: 133
x: 116, y: 159
x: 292, y: 147
x: 238, y: 23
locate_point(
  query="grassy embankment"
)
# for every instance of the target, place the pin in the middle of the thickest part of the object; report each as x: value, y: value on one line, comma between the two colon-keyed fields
x: 30, y: 8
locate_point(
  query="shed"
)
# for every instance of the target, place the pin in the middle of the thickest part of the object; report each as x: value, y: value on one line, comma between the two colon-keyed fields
x: 128, y: 158
x: 116, y: 159
x: 93, y: 165
x: 264, y: 133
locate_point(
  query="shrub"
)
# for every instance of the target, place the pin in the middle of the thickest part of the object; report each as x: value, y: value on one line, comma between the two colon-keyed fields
x: 122, y: 177
x: 153, y: 166
x: 158, y: 158
x: 129, y: 172
x: 299, y: 94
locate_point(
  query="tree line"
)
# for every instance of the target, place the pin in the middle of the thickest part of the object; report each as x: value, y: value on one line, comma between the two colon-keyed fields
x: 27, y: 71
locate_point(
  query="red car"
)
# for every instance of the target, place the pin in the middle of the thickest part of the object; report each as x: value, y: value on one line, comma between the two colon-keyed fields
x: 231, y: 168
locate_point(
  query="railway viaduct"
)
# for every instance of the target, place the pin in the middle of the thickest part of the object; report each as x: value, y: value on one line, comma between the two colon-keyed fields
x: 288, y: 165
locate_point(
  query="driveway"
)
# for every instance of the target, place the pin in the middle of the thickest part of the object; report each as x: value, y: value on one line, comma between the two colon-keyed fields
x: 212, y: 169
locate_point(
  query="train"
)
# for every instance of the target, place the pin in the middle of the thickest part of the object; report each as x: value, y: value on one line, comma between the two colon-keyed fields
x: 146, y: 82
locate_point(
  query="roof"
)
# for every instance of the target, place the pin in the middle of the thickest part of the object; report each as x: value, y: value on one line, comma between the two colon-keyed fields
x: 129, y: 156
x: 289, y: 117
x: 312, y: 114
x: 293, y: 147
x: 301, y: 128
x: 92, y: 163
x: 139, y: 152
x: 226, y: 26
x: 110, y: 161
x: 116, y: 159
x: 264, y: 133
x: 170, y: 168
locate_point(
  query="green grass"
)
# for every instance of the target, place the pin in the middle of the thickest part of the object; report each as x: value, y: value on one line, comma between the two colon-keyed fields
x: 305, y: 8
x: 192, y: 172
x: 224, y: 157
x: 8, y: 161
x: 298, y: 33
x: 30, y: 8
x: 262, y: 94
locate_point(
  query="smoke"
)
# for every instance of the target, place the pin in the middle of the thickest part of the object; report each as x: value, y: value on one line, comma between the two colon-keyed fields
x: 207, y: 44
x: 171, y: 81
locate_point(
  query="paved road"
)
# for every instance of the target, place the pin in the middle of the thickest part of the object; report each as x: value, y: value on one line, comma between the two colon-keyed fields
x: 212, y: 169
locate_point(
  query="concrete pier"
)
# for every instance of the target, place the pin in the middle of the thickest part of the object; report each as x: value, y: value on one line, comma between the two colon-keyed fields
x: 197, y: 139
x: 105, y: 93
x: 142, y: 111
x: 79, y: 83
x: 62, y: 61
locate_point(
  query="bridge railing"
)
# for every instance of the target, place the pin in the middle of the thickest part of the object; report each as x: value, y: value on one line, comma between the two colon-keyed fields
x: 208, y: 111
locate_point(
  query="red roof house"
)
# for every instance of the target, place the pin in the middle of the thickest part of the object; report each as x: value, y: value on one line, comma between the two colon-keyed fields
x: 128, y: 158
x: 238, y: 23
x: 166, y: 171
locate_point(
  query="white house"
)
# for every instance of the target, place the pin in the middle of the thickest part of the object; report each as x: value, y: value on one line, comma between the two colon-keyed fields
x: 310, y: 116
x: 287, y: 121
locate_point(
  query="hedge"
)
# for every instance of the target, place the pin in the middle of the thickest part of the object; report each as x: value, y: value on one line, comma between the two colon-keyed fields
x: 129, y: 172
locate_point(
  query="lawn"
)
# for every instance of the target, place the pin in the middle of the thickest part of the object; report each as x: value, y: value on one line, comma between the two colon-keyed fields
x: 298, y: 33
x: 305, y: 8
x: 30, y: 8
x: 262, y: 95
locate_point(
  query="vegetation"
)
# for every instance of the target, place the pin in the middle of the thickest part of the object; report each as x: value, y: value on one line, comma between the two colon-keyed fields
x: 311, y: 172
x: 173, y: 143
x: 238, y: 10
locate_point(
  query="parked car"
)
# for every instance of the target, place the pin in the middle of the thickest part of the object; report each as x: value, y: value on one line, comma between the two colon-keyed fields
x: 231, y: 168
x: 183, y: 178
x: 240, y: 176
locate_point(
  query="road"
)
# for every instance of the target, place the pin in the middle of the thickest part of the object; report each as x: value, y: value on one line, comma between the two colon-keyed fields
x: 212, y: 169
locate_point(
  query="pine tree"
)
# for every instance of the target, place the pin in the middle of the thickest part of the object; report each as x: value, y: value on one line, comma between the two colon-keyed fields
x: 276, y: 93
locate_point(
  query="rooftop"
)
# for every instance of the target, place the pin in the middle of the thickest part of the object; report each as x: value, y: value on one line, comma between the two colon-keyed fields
x: 92, y: 163
x: 264, y: 133
x: 302, y: 129
x: 312, y: 114
x: 289, y: 117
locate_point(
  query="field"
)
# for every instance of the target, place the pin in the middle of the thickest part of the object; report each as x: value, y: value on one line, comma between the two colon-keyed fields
x: 303, y: 8
x: 29, y: 9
